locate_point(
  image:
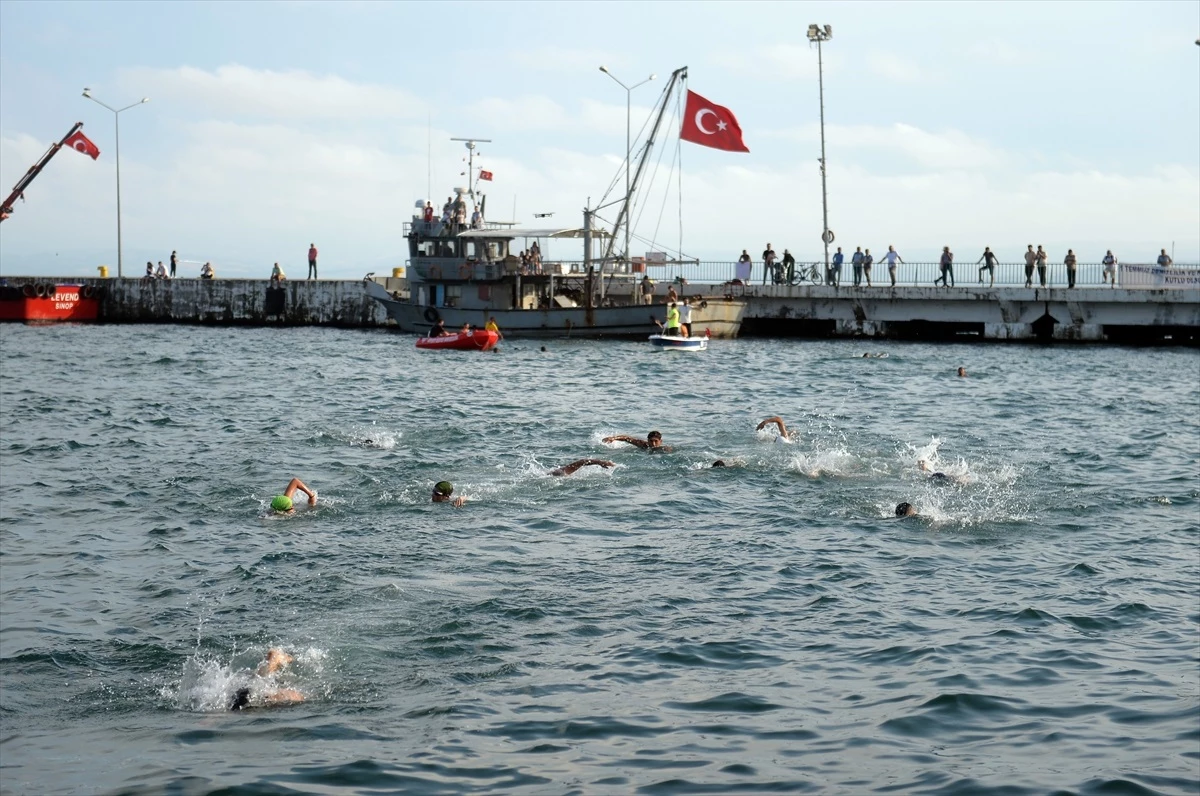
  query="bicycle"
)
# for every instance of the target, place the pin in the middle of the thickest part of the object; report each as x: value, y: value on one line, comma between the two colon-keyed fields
x: 806, y: 273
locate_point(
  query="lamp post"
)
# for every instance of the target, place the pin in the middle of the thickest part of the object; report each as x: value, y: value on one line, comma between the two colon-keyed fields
x: 818, y: 34
x: 628, y: 146
x: 87, y: 92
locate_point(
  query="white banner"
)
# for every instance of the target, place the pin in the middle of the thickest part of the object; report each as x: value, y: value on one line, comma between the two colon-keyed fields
x: 1158, y: 277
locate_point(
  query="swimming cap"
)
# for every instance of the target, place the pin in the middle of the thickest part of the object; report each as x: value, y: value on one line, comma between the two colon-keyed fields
x: 902, y: 509
x: 281, y: 503
x: 443, y: 488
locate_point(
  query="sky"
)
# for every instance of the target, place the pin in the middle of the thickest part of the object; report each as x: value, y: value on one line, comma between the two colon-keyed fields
x: 275, y: 125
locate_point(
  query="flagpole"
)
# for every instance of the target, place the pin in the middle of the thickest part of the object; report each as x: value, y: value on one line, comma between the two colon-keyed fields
x: 117, y: 125
x: 819, y: 35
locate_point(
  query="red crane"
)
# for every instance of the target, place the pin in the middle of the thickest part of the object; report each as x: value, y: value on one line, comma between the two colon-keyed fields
x: 6, y: 209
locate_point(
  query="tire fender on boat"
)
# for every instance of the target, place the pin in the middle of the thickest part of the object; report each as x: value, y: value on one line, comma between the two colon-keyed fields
x: 28, y: 291
x: 464, y: 272
x: 39, y: 290
x: 431, y: 315
x: 87, y: 291
x: 435, y: 272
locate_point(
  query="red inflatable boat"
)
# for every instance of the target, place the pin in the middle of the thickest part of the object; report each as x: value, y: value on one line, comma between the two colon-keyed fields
x: 479, y: 340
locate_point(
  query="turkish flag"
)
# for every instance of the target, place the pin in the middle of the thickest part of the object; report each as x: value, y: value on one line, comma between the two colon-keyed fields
x: 485, y: 175
x: 708, y: 124
x: 80, y: 143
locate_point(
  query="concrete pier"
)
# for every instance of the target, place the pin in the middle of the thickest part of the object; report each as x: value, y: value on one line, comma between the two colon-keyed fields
x: 1007, y: 313
x: 1097, y: 314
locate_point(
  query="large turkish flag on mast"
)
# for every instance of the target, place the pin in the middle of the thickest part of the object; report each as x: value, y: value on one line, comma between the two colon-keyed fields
x: 709, y: 124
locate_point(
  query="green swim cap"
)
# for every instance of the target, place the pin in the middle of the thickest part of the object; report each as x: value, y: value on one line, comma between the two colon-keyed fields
x: 443, y: 488
x: 281, y: 503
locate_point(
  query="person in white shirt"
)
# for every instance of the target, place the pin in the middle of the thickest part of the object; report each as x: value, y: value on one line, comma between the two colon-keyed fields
x: 892, y: 258
x: 685, y: 317
x: 1110, y: 268
x: 206, y: 271
x: 161, y: 271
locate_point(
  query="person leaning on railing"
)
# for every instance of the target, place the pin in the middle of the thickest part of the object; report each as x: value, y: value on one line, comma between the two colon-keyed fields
x: 1070, y: 262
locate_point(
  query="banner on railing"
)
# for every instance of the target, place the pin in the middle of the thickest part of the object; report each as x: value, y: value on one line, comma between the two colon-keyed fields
x: 656, y: 258
x: 1159, y: 277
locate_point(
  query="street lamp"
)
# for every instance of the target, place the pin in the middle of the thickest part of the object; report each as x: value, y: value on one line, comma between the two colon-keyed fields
x: 628, y: 146
x: 818, y: 34
x: 87, y: 92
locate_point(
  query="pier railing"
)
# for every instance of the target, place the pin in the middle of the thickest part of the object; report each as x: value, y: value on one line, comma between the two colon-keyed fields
x: 908, y: 274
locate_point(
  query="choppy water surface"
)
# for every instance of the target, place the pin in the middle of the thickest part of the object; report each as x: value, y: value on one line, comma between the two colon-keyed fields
x: 661, y: 627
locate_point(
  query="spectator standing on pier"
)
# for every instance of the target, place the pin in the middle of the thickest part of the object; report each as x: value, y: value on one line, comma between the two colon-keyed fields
x: 789, y: 266
x: 428, y: 214
x: 174, y: 263
x: 947, y: 266
x: 312, y: 261
x: 892, y: 258
x: 647, y: 290
x: 741, y: 271
x: 868, y: 261
x: 857, y: 262
x: 1110, y: 268
x: 1030, y: 259
x: 1041, y: 265
x: 476, y: 219
x: 768, y: 257
x: 1164, y: 259
x: 834, y: 277
x: 989, y: 265
x: 1070, y: 262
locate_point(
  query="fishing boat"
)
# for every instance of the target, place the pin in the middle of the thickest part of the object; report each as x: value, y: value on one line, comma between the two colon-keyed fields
x: 47, y: 302
x: 462, y: 269
x: 674, y: 343
x: 478, y: 340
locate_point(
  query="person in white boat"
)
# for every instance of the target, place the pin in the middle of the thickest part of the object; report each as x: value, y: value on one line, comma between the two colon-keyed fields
x: 685, y: 318
x: 672, y: 325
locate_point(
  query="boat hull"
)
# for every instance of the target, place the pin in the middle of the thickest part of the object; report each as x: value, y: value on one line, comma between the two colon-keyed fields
x: 719, y: 317
x: 673, y: 343
x: 480, y: 340
x: 57, y: 304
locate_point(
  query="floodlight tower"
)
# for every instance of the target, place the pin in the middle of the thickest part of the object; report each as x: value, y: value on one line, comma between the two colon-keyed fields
x: 818, y: 34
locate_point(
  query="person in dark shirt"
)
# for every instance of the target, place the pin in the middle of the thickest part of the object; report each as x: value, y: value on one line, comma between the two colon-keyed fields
x: 768, y: 257
x: 174, y: 262
x: 989, y: 265
x: 438, y: 329
x: 789, y: 266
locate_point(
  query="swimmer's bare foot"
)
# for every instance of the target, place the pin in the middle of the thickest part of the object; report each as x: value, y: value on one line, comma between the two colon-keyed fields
x: 283, y: 696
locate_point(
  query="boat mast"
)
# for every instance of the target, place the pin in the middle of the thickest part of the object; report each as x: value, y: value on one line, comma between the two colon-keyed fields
x: 471, y: 142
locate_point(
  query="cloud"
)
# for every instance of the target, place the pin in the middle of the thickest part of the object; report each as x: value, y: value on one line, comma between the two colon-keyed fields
x: 949, y: 149
x: 772, y: 62
x: 240, y: 91
x: 892, y: 67
x: 550, y: 58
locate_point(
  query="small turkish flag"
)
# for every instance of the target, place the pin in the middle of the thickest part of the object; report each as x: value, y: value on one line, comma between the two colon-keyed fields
x: 708, y: 124
x: 80, y: 143
x: 485, y: 175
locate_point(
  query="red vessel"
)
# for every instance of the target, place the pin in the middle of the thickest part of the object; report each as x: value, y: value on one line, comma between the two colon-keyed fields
x: 479, y: 340
x: 49, y: 302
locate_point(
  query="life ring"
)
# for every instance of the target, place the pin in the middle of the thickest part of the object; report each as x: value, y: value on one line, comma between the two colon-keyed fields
x: 464, y: 272
x: 87, y: 291
x: 51, y: 290
x: 39, y: 290
x: 431, y: 315
x: 28, y: 291
x: 827, y: 236
x: 435, y: 272
x: 703, y: 305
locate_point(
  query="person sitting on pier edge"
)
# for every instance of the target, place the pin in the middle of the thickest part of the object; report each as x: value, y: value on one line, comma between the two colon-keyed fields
x: 206, y: 271
x: 149, y: 270
x: 277, y: 274
x: 652, y: 442
x: 161, y: 271
x: 1110, y: 268
x: 789, y: 267
x: 282, y: 504
x: 784, y: 438
x: 989, y: 266
x: 834, y: 277
x: 567, y: 469
x: 438, y: 329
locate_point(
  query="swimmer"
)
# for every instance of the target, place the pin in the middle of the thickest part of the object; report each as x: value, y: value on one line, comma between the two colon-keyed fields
x: 442, y: 491
x: 924, y: 467
x: 275, y: 661
x: 567, y: 469
x: 282, y: 504
x: 905, y: 510
x: 543, y: 349
x: 783, y: 438
x: 652, y: 442
x: 719, y: 463
x: 962, y: 373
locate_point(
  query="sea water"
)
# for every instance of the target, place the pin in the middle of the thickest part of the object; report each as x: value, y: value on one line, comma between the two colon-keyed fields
x: 661, y: 626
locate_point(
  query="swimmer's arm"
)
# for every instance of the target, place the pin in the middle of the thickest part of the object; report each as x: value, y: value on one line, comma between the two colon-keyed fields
x: 573, y: 466
x: 641, y: 443
x: 459, y: 502
x: 295, y: 484
x: 777, y: 421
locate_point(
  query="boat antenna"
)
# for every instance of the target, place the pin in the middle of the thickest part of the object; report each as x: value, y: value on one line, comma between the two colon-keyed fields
x: 471, y: 142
